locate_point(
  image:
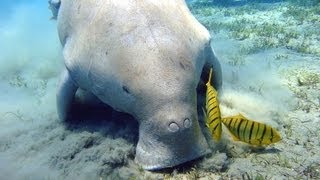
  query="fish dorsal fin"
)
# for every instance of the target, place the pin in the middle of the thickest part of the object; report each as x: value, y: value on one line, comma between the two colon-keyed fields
x: 209, y: 79
x: 241, y: 116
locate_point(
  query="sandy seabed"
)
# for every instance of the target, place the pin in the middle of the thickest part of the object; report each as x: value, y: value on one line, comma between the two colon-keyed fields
x: 276, y: 86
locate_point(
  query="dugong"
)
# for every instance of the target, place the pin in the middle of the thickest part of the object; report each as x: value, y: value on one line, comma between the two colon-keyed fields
x: 145, y: 58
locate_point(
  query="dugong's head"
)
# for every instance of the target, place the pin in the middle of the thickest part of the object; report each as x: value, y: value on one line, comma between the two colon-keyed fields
x: 164, y: 101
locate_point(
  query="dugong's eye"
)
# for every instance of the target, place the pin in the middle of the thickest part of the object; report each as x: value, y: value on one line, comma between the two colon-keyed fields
x: 125, y: 89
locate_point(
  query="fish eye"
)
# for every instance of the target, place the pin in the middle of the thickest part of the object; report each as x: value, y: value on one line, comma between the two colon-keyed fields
x: 125, y: 89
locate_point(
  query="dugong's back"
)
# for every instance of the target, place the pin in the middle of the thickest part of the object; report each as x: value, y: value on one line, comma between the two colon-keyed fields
x: 110, y: 16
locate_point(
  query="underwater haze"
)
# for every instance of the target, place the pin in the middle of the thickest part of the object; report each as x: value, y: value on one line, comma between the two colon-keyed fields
x: 270, y: 57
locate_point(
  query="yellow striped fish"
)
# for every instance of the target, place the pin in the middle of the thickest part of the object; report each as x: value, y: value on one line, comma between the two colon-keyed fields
x: 212, y: 115
x: 251, y: 132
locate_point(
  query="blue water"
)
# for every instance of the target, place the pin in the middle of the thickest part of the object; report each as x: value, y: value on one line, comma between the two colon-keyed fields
x: 28, y: 41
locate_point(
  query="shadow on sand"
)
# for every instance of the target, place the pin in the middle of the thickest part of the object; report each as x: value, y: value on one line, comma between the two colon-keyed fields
x: 103, y: 119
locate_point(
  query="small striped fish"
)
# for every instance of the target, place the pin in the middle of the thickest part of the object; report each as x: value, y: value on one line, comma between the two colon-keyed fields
x: 251, y: 132
x: 213, y: 115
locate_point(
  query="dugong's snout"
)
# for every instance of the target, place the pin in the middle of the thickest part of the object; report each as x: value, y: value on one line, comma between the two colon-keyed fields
x: 170, y: 138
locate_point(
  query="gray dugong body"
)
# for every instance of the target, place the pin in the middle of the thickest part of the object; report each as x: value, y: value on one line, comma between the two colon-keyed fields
x: 145, y: 58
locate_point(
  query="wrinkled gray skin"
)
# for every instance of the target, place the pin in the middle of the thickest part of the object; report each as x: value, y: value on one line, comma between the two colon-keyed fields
x: 145, y: 58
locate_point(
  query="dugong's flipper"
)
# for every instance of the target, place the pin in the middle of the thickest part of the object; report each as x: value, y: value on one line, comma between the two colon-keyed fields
x: 65, y: 95
x: 212, y: 62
